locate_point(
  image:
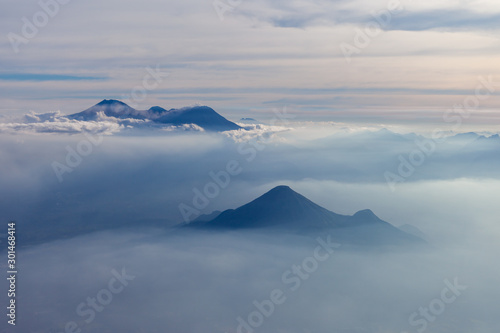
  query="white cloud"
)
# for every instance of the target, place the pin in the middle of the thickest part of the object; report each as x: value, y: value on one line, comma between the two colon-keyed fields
x: 256, y: 131
x: 56, y: 122
x: 61, y: 126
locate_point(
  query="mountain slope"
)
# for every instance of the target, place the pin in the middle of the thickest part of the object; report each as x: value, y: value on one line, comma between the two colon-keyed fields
x: 284, y: 209
x: 281, y: 206
x: 202, y: 116
x: 111, y: 108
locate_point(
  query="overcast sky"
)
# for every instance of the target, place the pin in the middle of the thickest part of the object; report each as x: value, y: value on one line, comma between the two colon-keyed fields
x: 261, y: 54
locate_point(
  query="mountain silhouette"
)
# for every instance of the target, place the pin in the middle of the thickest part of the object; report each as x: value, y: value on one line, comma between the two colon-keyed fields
x: 281, y: 206
x: 110, y: 108
x: 284, y: 209
x: 203, y: 116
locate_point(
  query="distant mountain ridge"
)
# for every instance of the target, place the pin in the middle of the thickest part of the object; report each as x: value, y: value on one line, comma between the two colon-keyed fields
x: 284, y: 209
x: 203, y: 116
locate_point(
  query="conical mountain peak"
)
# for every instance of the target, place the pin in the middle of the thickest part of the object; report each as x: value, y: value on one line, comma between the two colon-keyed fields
x: 281, y: 191
x: 281, y: 206
x: 282, y: 188
x: 110, y: 102
x: 284, y: 209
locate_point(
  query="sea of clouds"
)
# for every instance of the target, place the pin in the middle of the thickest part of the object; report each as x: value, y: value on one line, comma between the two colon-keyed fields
x: 132, y: 181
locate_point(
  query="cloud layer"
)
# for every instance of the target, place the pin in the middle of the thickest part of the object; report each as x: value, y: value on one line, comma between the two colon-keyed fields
x: 146, y: 173
x: 206, y: 282
x: 132, y: 184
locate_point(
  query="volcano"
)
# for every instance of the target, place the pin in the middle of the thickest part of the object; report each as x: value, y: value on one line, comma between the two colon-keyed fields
x: 203, y: 116
x: 283, y: 209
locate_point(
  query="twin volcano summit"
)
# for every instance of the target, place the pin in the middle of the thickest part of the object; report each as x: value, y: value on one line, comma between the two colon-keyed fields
x: 286, y: 210
x: 202, y: 116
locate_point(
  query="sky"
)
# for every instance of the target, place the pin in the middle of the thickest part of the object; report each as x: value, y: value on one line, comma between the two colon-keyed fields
x: 245, y: 57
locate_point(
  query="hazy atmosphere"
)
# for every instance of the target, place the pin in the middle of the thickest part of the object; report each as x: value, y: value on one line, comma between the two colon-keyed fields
x: 244, y: 57
x: 243, y: 166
